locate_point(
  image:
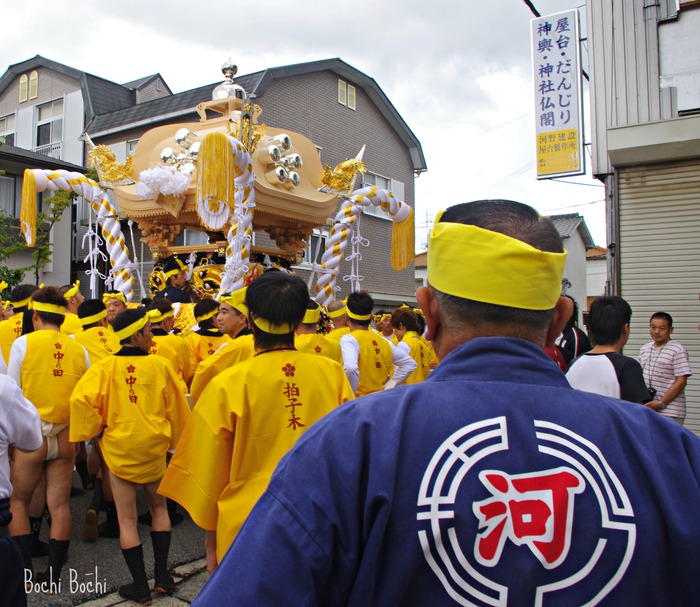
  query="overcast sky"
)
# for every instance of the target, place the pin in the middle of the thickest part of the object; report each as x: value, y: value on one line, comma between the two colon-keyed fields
x: 458, y: 71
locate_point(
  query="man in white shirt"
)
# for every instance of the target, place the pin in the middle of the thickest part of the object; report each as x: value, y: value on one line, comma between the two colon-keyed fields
x: 604, y: 369
x: 367, y: 357
x: 666, y: 368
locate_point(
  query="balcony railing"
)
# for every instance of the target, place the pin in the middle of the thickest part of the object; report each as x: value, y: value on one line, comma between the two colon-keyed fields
x: 55, y: 150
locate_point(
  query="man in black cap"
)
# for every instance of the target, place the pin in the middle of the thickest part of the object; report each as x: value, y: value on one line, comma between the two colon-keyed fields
x: 175, y: 281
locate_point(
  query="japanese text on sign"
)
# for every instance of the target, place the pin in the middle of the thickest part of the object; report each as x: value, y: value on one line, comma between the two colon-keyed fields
x: 557, y: 78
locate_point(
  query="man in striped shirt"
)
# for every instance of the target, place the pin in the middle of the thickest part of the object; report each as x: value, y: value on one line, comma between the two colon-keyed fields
x: 666, y: 368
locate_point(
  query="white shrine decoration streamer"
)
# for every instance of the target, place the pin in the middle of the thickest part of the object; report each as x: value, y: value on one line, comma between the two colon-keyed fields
x: 94, y: 242
x: 59, y: 179
x: 342, y: 230
x: 240, y: 232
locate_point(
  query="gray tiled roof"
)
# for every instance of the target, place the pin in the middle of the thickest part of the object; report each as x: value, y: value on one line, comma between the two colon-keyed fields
x: 112, y: 107
x: 184, y: 102
x: 105, y: 96
x: 135, y: 84
x: 568, y: 224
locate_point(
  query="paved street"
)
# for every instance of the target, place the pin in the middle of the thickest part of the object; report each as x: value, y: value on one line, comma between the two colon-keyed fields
x: 95, y: 571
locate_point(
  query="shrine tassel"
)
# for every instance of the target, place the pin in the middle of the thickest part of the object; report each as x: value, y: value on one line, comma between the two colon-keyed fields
x: 402, y: 243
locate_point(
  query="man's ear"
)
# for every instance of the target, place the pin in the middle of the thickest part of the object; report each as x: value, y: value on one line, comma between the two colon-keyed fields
x: 427, y: 302
x: 562, y: 312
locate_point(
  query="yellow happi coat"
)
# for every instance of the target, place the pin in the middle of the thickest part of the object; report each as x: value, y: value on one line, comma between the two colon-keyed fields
x: 99, y: 342
x: 10, y: 330
x: 375, y: 362
x: 52, y: 366
x: 243, y: 424
x: 231, y: 353
x: 418, y: 351
x: 138, y: 399
x: 338, y: 333
x: 203, y: 345
x: 71, y: 324
x: 315, y: 343
x: 174, y: 348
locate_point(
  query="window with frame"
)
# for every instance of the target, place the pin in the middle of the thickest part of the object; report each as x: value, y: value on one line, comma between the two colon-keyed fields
x: 49, y: 123
x: 347, y: 94
x: 316, y: 248
x: 8, y: 190
x: 385, y: 183
x: 34, y: 84
x: 23, y: 88
x: 131, y: 146
x: 7, y: 129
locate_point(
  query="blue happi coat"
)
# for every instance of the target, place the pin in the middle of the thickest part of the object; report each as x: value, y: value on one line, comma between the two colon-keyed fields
x: 491, y: 483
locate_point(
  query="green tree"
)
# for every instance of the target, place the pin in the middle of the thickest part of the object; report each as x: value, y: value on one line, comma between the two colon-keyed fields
x: 11, y: 242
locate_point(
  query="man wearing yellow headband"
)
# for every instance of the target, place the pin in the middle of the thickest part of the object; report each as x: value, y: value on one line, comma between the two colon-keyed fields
x: 368, y: 359
x: 134, y: 402
x: 11, y: 328
x: 172, y: 347
x: 385, y: 328
x: 116, y: 304
x: 493, y: 482
x: 206, y: 338
x: 405, y: 324
x: 71, y: 325
x: 232, y: 321
x: 250, y: 415
x: 337, y: 314
x: 175, y: 281
x: 46, y: 364
x: 308, y: 339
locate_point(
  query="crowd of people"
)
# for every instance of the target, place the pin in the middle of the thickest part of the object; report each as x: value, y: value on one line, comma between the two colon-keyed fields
x: 432, y: 455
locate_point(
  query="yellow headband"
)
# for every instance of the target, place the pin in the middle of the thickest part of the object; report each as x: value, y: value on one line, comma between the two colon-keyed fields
x: 5, y: 303
x: 182, y: 268
x: 237, y: 301
x: 267, y: 327
x: 21, y: 303
x: 489, y: 267
x: 358, y: 316
x: 3, y: 285
x: 337, y: 313
x: 385, y: 317
x: 134, y: 327
x: 73, y: 290
x: 39, y: 306
x: 117, y: 295
x: 88, y: 320
x: 161, y: 317
x: 311, y: 316
x: 206, y: 316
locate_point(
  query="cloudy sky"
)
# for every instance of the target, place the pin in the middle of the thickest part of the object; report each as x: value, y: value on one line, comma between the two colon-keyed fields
x: 458, y: 71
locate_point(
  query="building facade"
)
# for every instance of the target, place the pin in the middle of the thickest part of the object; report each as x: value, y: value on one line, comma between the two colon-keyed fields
x: 645, y: 123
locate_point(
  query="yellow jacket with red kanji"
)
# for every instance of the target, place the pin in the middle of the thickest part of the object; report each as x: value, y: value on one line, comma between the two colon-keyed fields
x: 47, y: 364
x: 138, y: 399
x: 243, y: 424
x: 232, y: 352
x: 99, y: 342
x: 316, y: 343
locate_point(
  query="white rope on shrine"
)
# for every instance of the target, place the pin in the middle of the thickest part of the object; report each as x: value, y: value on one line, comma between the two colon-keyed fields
x: 95, y: 253
x: 59, y: 179
x: 135, y: 263
x: 240, y: 232
x: 342, y: 231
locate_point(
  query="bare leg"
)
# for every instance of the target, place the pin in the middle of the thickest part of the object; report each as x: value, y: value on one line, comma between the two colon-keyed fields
x: 125, y: 499
x: 59, y: 475
x: 157, y: 505
x: 25, y: 474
